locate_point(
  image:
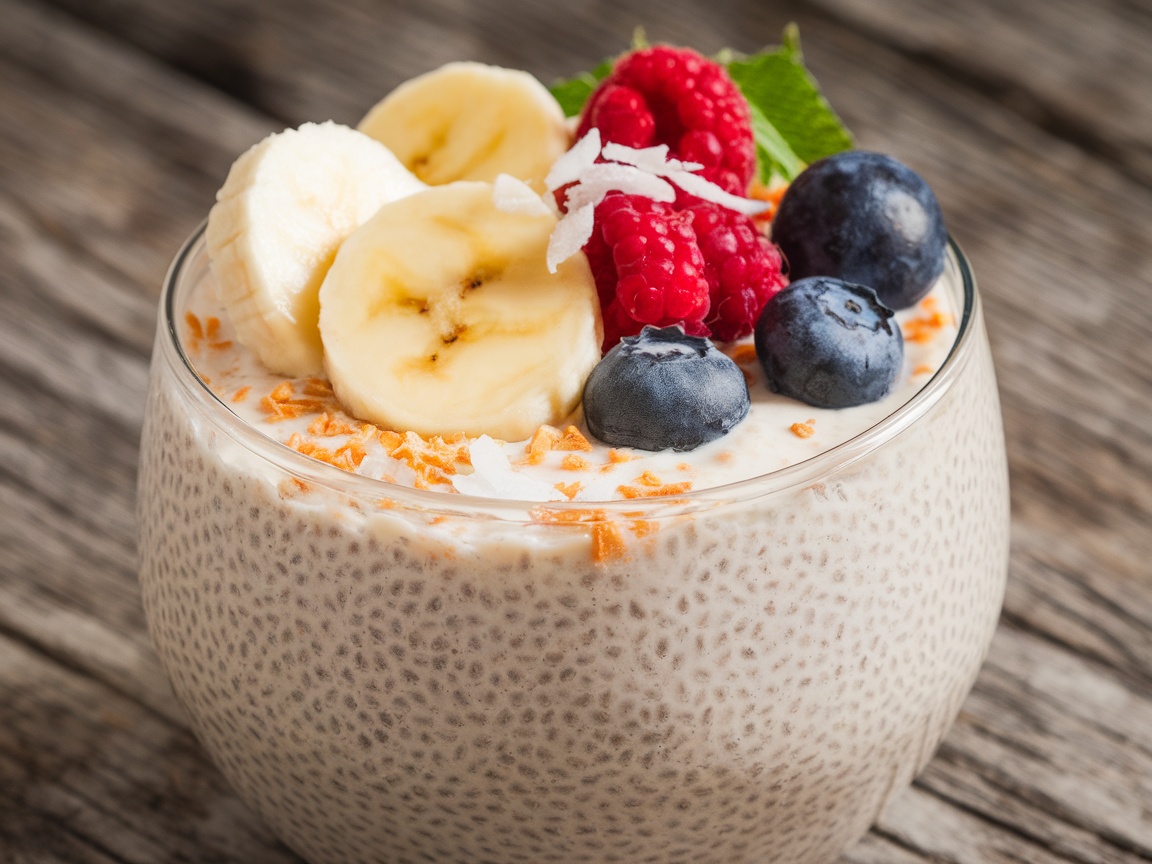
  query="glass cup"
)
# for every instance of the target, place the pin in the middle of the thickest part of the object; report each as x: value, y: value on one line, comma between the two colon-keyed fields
x: 744, y: 673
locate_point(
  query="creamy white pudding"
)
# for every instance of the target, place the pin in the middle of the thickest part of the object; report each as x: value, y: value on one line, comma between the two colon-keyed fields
x: 739, y: 671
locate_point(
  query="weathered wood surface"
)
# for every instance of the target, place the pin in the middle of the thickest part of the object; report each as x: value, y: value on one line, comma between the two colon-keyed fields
x: 118, y: 120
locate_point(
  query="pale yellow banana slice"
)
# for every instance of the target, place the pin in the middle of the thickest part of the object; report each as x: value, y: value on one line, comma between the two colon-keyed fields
x: 439, y: 316
x: 285, y: 208
x: 469, y: 121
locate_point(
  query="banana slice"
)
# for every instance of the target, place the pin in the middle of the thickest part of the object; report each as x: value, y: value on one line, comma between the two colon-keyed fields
x: 286, y: 206
x: 468, y: 121
x: 439, y: 316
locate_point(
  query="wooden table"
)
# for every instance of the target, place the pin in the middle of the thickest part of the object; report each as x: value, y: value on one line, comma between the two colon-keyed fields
x: 1032, y: 119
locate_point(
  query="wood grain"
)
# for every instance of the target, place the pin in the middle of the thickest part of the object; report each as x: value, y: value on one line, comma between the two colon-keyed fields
x: 117, y: 783
x: 118, y: 121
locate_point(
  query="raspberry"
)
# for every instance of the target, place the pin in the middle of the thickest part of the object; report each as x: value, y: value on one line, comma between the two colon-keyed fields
x: 744, y: 270
x: 647, y: 265
x: 673, y: 96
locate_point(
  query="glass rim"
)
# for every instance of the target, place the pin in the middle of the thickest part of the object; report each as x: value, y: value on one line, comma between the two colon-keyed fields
x: 802, y: 474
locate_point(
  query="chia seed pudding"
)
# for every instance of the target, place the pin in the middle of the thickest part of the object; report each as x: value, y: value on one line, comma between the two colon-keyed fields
x: 395, y: 674
x: 423, y: 593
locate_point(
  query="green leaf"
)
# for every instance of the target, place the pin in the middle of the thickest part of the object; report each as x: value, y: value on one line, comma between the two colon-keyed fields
x: 787, y: 107
x: 572, y: 93
x: 772, y: 152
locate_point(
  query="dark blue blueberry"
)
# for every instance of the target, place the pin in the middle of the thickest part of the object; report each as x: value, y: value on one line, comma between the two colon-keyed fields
x: 664, y: 390
x: 864, y: 218
x: 829, y: 343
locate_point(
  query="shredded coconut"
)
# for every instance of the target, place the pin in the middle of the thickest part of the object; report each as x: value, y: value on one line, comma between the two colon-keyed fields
x: 651, y: 159
x: 572, y: 165
x: 570, y: 235
x: 494, y: 477
x: 645, y: 171
x: 512, y: 195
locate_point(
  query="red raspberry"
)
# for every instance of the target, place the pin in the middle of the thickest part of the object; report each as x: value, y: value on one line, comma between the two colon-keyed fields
x: 744, y: 270
x: 673, y: 96
x: 647, y: 265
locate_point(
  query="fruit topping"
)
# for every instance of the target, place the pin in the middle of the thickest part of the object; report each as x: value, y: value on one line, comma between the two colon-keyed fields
x: 469, y: 121
x: 647, y: 265
x: 466, y: 306
x: 651, y: 263
x: 663, y: 390
x: 865, y: 218
x: 439, y: 316
x: 282, y: 213
x: 829, y: 343
x: 674, y: 96
x: 744, y: 270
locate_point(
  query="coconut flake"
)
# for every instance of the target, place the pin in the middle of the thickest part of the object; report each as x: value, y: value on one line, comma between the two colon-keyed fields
x: 375, y: 466
x: 575, y: 227
x: 644, y: 171
x: 605, y: 177
x: 571, y: 166
x: 654, y: 160
x: 494, y: 477
x: 695, y: 185
x: 512, y: 195
x: 570, y: 234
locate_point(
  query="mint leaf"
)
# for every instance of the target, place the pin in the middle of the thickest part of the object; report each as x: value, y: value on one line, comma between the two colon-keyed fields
x: 787, y: 107
x: 572, y: 93
x: 773, y: 154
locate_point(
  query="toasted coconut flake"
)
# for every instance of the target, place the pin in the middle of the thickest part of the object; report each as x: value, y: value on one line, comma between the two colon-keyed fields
x: 282, y: 392
x: 770, y: 195
x: 390, y: 440
x: 645, y: 491
x: 328, y: 426
x: 804, y: 430
x: 607, y: 542
x: 644, y: 527
x: 574, y: 439
x: 570, y: 490
x: 607, y: 539
x: 543, y: 440
x: 926, y: 327
x: 321, y: 388
x: 743, y: 354
x: 572, y: 462
x: 195, y: 333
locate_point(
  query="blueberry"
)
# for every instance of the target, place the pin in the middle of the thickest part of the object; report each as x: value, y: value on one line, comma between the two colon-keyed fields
x: 663, y: 389
x: 829, y: 343
x: 865, y: 218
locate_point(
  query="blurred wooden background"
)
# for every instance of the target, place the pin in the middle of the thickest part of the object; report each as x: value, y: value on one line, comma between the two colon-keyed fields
x: 1031, y: 118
